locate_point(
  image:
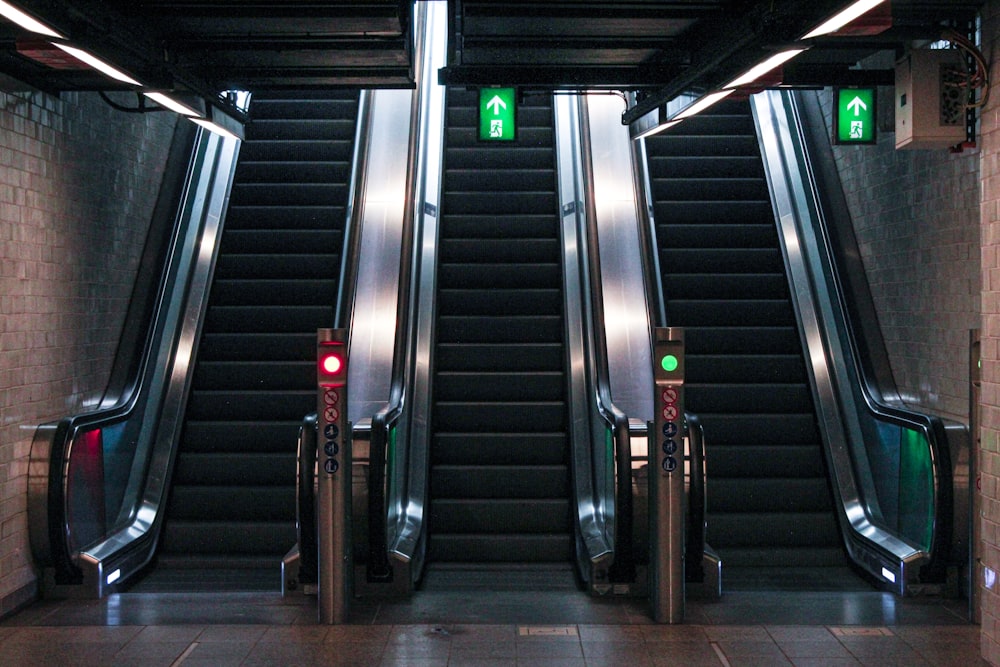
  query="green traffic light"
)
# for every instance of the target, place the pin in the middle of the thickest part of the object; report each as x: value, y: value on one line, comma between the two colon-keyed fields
x: 669, y: 363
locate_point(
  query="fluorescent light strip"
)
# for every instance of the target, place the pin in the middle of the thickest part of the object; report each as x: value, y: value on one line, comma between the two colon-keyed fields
x: 702, y: 103
x: 656, y: 129
x: 172, y: 104
x: 763, y: 68
x: 97, y: 64
x: 843, y: 18
x: 15, y: 15
x: 213, y: 127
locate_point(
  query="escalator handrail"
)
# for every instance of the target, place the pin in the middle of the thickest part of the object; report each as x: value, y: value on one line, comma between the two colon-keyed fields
x: 305, y: 492
x: 51, y: 454
x: 697, y: 498
x: 623, y: 566
x: 420, y: 195
x: 873, y: 391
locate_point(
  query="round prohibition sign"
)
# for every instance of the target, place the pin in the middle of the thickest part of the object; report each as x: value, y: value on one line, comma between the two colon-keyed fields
x: 670, y: 412
x: 331, y: 397
x: 331, y: 414
x: 669, y: 395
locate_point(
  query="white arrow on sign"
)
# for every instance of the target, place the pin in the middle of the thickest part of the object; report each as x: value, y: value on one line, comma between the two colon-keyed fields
x: 496, y: 103
x: 857, y: 105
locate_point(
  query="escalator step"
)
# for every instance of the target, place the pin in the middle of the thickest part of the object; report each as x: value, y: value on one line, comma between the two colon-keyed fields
x: 501, y: 449
x: 237, y: 292
x: 247, y: 346
x: 717, y: 235
x: 544, y: 227
x: 500, y: 482
x: 748, y: 312
x: 497, y: 386
x: 709, y: 261
x: 538, y: 417
x: 237, y: 468
x: 731, y: 286
x: 489, y: 251
x: 754, y: 369
x: 315, y: 266
x: 267, y: 319
x: 500, y: 517
x: 283, y: 242
x: 500, y: 276
x: 304, y: 129
x: 741, y: 339
x: 282, y: 217
x: 750, y: 495
x: 504, y: 330
x: 254, y: 375
x: 499, y: 302
x: 711, y: 212
x: 707, y: 189
x: 500, y: 357
x: 298, y: 194
x: 515, y: 548
x: 247, y: 437
x: 275, y: 173
x: 767, y: 459
x: 233, y: 503
x: 784, y: 529
x: 747, y: 398
x: 779, y: 428
x: 236, y: 405
x: 197, y: 538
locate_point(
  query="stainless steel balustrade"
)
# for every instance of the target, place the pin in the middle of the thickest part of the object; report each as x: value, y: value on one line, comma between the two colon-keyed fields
x: 891, y: 532
x: 144, y: 424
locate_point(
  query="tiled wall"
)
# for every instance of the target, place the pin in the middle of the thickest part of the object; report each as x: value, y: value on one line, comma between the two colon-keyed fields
x: 78, y: 181
x: 916, y: 218
x: 990, y: 403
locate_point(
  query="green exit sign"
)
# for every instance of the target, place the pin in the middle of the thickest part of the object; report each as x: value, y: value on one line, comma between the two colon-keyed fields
x: 497, y: 114
x: 855, y: 115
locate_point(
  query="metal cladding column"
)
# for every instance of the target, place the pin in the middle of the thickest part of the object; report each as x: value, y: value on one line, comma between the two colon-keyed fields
x: 666, y: 477
x: 333, y: 493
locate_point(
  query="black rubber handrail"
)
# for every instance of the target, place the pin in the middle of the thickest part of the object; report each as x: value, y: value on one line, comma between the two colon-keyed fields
x: 305, y: 488
x: 697, y: 503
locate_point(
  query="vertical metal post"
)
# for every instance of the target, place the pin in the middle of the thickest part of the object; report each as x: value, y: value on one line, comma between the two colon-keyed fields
x: 333, y: 493
x: 666, y: 477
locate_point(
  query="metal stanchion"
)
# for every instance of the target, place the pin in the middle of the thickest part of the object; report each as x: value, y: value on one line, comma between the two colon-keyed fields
x: 666, y: 478
x: 333, y: 493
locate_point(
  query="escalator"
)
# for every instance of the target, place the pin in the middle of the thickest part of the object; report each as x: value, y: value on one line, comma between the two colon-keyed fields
x: 723, y: 277
x: 499, y: 471
x: 232, y: 501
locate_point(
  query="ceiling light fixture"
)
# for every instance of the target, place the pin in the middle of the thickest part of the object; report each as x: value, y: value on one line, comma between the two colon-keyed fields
x: 702, y: 103
x: 655, y: 129
x: 172, y: 104
x: 214, y: 127
x: 98, y: 64
x: 15, y: 15
x: 764, y: 67
x: 844, y: 17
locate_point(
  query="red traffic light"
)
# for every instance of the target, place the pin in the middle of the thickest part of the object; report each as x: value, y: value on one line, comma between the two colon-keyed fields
x: 332, y: 364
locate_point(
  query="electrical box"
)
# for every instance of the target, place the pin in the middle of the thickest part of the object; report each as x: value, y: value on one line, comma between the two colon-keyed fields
x: 930, y: 99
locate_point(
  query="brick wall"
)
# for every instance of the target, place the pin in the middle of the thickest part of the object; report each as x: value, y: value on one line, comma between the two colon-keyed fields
x: 78, y: 181
x: 989, y: 432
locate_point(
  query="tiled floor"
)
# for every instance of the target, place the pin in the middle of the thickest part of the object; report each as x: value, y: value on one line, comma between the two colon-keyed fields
x: 486, y: 629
